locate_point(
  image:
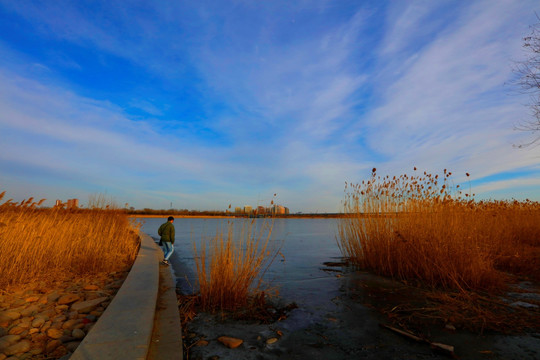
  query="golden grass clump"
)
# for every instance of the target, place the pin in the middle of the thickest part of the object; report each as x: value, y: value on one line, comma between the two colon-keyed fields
x: 425, y: 228
x: 230, y: 267
x: 39, y: 244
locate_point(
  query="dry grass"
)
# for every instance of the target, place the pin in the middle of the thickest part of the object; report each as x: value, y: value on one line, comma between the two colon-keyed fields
x: 231, y: 265
x: 424, y: 228
x: 47, y: 244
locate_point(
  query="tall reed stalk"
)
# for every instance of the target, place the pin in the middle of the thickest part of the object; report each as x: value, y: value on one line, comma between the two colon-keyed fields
x: 424, y: 228
x: 231, y: 265
x: 45, y: 244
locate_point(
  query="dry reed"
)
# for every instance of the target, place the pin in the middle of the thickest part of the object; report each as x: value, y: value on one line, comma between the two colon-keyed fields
x: 425, y: 228
x: 230, y: 267
x: 39, y: 244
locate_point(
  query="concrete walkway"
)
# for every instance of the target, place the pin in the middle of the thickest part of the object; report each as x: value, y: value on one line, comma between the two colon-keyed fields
x: 124, y: 331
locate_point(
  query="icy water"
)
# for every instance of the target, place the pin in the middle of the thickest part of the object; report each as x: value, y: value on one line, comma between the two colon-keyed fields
x: 305, y: 244
x: 335, y: 318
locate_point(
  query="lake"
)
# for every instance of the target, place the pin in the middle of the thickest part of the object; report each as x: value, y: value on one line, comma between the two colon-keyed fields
x: 305, y: 245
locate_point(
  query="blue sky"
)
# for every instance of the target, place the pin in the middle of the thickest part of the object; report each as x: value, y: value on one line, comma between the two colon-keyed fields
x: 210, y: 103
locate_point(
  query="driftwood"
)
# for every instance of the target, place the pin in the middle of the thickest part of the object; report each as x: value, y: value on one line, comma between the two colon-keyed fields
x: 447, y: 349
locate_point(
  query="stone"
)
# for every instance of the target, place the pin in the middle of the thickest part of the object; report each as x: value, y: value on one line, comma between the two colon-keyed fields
x: 8, y: 340
x: 3, y: 331
x: 46, y: 326
x: 271, y: 340
x: 3, y: 357
x: 450, y: 327
x: 61, y: 308
x: 43, y: 300
x: 18, y: 348
x: 91, y: 318
x: 31, y: 299
x: 91, y: 287
x: 72, y: 346
x: 55, y: 333
x: 70, y: 324
x: 87, y: 306
x: 59, y: 318
x: 68, y: 299
x: 59, y: 352
x: 52, y: 345
x: 25, y: 323
x: 36, y: 351
x: 88, y: 327
x: 66, y: 338
x: 38, y: 322
x: 17, y: 330
x: 30, y: 310
x: 73, y: 315
x: 52, y: 297
x: 230, y: 342
x: 78, y: 334
x: 33, y: 331
x: 201, y: 343
x: 9, y: 315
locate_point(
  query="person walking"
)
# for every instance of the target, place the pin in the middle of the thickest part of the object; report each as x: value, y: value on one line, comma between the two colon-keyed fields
x: 166, y: 231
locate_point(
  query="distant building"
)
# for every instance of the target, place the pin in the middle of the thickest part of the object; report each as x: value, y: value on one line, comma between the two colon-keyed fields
x: 238, y: 210
x: 248, y: 210
x: 286, y: 210
x: 72, y: 203
x: 261, y: 210
x: 58, y: 203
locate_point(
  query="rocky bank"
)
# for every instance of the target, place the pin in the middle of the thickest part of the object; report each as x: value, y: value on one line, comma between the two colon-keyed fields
x: 46, y: 321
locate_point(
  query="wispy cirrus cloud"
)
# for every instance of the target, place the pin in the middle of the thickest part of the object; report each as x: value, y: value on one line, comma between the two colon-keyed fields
x: 208, y: 102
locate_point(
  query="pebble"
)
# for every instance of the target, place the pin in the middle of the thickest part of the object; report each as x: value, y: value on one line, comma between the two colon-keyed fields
x: 54, y: 333
x: 38, y: 322
x: 68, y: 299
x: 9, y: 315
x: 29, y: 310
x: 78, y: 334
x: 18, y: 348
x: 271, y: 340
x: 70, y: 324
x: 201, y: 343
x: 87, y: 306
x: 17, y: 330
x: 61, y: 308
x: 72, y: 346
x: 52, y: 345
x: 52, y: 297
x: 8, y: 340
x: 230, y: 342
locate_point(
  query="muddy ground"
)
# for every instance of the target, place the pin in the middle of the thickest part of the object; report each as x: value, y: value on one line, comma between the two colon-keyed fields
x: 345, y: 323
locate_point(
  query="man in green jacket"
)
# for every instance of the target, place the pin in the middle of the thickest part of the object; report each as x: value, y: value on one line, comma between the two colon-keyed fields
x: 166, y: 231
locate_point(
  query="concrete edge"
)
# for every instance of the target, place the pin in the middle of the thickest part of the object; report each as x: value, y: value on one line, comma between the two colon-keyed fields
x: 124, y: 330
x: 167, y: 336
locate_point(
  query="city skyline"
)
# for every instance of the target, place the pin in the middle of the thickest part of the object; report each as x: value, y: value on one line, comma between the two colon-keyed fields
x: 203, y: 104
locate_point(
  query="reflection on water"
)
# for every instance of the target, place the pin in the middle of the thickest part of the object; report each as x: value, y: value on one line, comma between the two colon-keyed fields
x: 306, y: 244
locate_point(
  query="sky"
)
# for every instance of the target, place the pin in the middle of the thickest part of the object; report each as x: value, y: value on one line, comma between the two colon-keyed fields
x: 202, y: 104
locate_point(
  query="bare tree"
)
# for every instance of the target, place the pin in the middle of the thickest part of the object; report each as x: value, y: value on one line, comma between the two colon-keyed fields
x: 528, y: 80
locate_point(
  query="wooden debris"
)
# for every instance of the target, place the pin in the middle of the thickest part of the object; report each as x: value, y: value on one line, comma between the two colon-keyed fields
x: 444, y: 348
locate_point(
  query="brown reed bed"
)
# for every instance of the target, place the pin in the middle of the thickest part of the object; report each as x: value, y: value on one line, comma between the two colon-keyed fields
x: 426, y: 231
x: 38, y: 244
x: 423, y: 227
x: 230, y: 266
